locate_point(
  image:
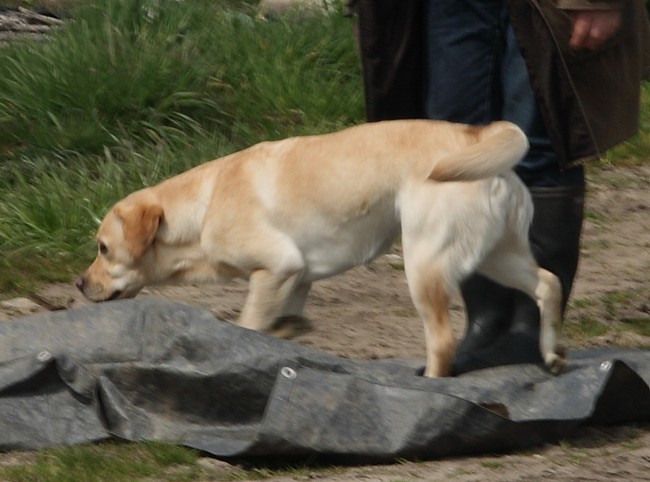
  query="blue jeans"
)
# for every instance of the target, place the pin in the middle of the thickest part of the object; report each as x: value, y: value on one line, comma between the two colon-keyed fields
x: 476, y: 74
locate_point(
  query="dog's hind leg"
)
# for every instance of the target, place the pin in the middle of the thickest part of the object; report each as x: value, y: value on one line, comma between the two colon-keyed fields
x: 428, y: 289
x: 434, y: 264
x: 515, y: 267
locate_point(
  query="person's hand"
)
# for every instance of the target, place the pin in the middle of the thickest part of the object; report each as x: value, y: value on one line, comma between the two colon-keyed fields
x: 592, y: 28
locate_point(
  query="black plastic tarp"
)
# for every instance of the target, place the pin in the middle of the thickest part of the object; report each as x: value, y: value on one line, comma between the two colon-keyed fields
x: 153, y: 370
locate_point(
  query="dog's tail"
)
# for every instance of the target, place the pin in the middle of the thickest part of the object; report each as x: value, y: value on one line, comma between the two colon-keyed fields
x: 499, y: 147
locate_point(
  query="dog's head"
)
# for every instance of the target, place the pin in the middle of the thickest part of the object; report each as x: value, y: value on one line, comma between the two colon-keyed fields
x: 124, y: 242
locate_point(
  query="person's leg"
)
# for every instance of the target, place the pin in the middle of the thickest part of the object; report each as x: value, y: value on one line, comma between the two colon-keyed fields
x: 558, y: 197
x: 466, y: 47
x: 463, y: 52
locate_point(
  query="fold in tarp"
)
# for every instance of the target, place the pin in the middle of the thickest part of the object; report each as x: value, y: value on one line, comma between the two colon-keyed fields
x: 155, y: 370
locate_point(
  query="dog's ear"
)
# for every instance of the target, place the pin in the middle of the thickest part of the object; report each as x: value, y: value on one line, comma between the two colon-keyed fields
x: 140, y: 222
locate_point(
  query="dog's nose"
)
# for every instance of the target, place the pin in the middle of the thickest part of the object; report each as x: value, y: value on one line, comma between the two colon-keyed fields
x: 80, y: 283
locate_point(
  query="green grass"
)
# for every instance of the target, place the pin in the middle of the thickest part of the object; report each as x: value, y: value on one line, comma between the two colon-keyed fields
x: 146, y: 461
x: 493, y: 464
x: 134, y: 91
x: 635, y: 151
x: 108, y: 463
x: 143, y: 71
x: 50, y: 211
x: 584, y: 327
x: 608, y: 313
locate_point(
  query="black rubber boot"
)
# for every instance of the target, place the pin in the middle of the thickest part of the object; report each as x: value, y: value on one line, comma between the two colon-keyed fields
x: 489, y: 308
x: 503, y: 324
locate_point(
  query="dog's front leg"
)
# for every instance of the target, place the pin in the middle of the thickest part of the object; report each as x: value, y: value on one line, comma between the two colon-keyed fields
x: 291, y: 322
x: 269, y: 293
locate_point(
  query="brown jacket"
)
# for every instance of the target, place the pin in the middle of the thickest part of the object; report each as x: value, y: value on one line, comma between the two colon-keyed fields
x: 589, y: 99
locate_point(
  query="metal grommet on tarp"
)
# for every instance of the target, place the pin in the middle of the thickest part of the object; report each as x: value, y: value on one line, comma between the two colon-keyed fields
x: 44, y: 357
x: 288, y: 372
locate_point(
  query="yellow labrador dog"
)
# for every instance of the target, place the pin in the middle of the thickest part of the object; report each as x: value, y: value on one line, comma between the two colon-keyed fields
x: 285, y: 214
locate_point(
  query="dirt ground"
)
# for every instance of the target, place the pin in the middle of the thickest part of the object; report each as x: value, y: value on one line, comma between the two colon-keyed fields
x: 367, y: 313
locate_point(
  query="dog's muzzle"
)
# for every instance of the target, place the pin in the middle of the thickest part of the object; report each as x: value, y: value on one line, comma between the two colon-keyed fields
x: 82, y: 285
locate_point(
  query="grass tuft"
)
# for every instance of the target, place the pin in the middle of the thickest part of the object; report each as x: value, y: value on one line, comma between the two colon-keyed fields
x: 107, y: 463
x: 130, y: 92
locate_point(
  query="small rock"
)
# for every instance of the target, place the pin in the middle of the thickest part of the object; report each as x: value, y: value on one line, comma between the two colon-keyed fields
x: 302, y: 8
x: 214, y: 464
x: 19, y: 307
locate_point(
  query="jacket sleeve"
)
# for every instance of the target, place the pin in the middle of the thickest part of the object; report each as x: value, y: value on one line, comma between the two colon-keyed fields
x: 589, y: 99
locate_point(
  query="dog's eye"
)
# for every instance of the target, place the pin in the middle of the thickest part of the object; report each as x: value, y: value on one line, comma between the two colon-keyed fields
x: 103, y: 249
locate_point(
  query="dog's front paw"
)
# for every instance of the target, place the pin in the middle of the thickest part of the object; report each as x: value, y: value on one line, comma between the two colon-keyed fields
x: 290, y: 326
x: 556, y: 362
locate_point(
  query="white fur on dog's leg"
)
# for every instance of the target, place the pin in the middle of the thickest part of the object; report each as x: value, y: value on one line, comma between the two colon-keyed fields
x: 555, y: 362
x: 516, y: 268
x: 430, y: 297
x: 549, y: 296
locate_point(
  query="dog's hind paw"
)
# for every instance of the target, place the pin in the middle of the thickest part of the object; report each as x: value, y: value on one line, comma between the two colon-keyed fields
x: 290, y: 326
x: 556, y: 362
